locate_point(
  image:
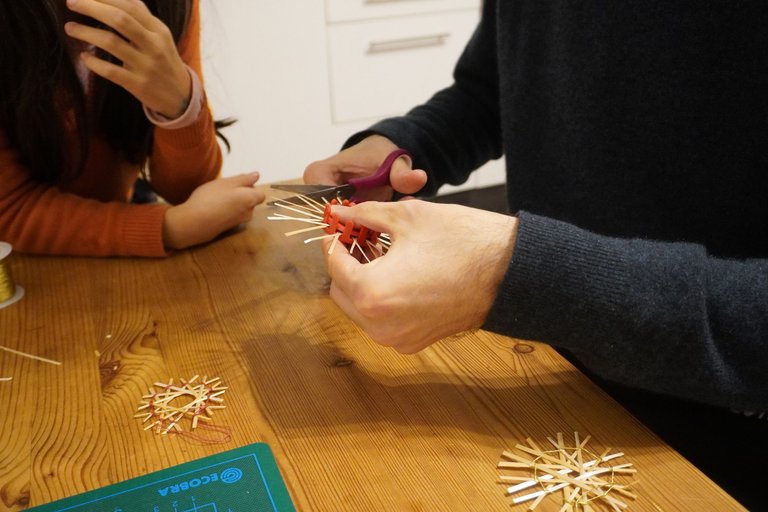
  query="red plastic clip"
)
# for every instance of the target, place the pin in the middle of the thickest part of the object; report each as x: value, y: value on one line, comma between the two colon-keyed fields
x: 350, y: 232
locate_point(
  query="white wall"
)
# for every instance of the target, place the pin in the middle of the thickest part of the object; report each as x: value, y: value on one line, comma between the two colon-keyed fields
x: 264, y: 63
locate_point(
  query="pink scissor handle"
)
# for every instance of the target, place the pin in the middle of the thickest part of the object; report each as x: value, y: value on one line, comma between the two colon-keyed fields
x: 381, y: 177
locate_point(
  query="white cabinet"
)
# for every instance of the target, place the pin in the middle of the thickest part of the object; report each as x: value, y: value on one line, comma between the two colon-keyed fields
x: 301, y: 78
x: 348, y: 10
x: 384, y: 67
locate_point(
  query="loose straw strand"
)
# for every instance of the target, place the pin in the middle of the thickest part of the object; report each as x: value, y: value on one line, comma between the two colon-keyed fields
x: 30, y: 356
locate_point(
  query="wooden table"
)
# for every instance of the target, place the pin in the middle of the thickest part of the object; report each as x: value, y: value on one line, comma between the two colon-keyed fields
x: 353, y: 426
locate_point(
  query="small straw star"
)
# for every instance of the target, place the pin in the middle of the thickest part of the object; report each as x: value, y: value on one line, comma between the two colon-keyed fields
x: 199, y: 404
x: 583, y: 484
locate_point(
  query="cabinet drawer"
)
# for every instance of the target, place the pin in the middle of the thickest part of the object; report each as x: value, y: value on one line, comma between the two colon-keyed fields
x: 347, y: 10
x: 383, y: 67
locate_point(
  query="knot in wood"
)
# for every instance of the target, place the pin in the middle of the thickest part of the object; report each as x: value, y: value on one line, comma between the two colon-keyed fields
x: 523, y: 348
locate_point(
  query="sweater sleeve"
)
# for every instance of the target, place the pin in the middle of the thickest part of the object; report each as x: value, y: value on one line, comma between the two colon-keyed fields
x: 664, y: 317
x: 459, y: 128
x: 41, y: 219
x: 183, y: 159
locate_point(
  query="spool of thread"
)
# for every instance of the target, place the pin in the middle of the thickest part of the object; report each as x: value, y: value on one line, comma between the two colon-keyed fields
x: 10, y: 292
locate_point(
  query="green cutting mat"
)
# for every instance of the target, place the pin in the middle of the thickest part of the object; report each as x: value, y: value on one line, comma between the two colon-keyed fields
x: 242, y: 480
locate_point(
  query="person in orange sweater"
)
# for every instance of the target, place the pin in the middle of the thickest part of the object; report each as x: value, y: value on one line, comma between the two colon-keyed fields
x: 93, y: 94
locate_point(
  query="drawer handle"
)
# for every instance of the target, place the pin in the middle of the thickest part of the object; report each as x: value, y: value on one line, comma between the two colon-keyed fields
x: 408, y: 43
x: 381, y: 1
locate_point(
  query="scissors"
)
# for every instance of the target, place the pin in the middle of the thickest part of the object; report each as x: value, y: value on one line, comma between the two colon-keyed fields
x: 346, y: 191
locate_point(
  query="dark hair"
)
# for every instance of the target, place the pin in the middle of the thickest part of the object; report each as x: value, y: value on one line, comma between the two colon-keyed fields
x: 39, y: 83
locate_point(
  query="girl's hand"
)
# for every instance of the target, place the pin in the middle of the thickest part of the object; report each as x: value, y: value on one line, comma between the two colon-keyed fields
x: 213, y: 208
x: 151, y: 69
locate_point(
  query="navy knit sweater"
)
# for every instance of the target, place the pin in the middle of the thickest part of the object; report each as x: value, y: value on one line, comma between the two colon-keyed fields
x: 636, y: 141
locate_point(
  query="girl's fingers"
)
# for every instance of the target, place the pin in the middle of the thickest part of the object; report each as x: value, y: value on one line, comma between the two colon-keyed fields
x: 109, y: 71
x: 138, y: 10
x: 122, y: 21
x: 107, y: 41
x: 243, y: 180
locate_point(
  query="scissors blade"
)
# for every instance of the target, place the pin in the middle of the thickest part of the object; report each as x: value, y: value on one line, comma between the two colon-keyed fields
x: 300, y: 189
x: 320, y: 193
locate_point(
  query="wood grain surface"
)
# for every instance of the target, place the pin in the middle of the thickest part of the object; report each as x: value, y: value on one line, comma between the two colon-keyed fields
x: 353, y: 426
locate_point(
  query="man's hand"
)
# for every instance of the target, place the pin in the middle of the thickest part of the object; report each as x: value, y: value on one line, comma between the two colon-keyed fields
x: 363, y: 159
x: 439, y: 277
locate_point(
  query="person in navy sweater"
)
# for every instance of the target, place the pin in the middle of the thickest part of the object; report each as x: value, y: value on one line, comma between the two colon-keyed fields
x: 636, y: 143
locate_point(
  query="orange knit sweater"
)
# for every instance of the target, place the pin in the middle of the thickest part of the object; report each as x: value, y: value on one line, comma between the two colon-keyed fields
x: 92, y: 215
